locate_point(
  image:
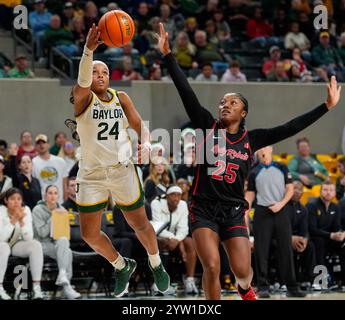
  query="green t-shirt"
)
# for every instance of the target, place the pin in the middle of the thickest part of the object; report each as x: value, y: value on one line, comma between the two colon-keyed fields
x: 15, y: 73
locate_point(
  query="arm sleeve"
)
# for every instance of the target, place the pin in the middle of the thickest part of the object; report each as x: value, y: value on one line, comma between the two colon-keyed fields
x: 293, y: 168
x: 26, y: 230
x: 200, y: 117
x: 260, y: 138
x: 314, y: 230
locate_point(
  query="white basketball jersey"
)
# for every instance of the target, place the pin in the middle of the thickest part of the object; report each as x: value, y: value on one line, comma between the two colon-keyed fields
x: 102, y: 129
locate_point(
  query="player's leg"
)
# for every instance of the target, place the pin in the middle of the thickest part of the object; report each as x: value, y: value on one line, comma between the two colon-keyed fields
x: 190, y: 263
x: 139, y: 222
x: 206, y: 243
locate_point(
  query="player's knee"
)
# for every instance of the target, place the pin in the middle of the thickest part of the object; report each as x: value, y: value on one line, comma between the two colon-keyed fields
x: 243, y: 274
x: 212, y: 270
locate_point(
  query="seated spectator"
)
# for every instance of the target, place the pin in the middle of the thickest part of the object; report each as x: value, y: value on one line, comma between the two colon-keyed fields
x: 22, y: 178
x: 340, y: 183
x: 69, y: 155
x: 169, y: 23
x: 325, y: 227
x: 5, y: 155
x: 305, y: 167
x: 16, y: 238
x: 175, y: 211
x: 211, y: 31
x: 5, y: 181
x: 155, y: 72
x: 59, y: 141
x: 39, y: 21
x: 152, y: 31
x: 233, y: 73
x: 280, y: 23
x: 70, y: 204
x: 326, y: 56
x: 49, y: 169
x: 298, y: 39
x: 78, y: 31
x: 26, y: 146
x: 205, y: 52
x: 259, y: 31
x: 68, y: 16
x: 185, y: 187
x: 222, y: 27
x: 90, y: 14
x: 127, y: 72
x: 184, y: 51
x: 270, y: 65
x: 279, y: 74
x: 142, y: 17
x: 61, y: 38
x: 306, y: 25
x: 207, y: 12
x: 58, y: 250
x: 295, y: 74
x: 191, y: 28
x: 207, y: 73
x: 21, y: 69
x: 304, y: 251
x: 158, y: 179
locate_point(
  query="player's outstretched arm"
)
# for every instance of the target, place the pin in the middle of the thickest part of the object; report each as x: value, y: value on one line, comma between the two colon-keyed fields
x: 82, y: 91
x: 200, y: 117
x: 260, y: 138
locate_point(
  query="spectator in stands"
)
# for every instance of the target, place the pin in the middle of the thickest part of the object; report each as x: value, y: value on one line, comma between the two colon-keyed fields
x: 90, y: 15
x: 158, y: 179
x: 279, y: 74
x: 155, y: 72
x: 295, y: 74
x: 61, y: 38
x: 5, y: 181
x: 222, y: 27
x: 174, y: 211
x: 270, y: 65
x: 325, y: 227
x: 168, y: 21
x: 191, y: 27
x: 68, y: 15
x: 26, y: 146
x: 342, y: 47
x: 207, y: 73
x: 326, y: 56
x: 280, y: 23
x: 304, y: 250
x: 306, y: 25
x: 49, y: 169
x: 21, y: 174
x: 207, y: 12
x: 78, y: 31
x: 184, y: 51
x: 233, y: 73
x: 153, y: 30
x: 305, y: 167
x: 271, y: 183
x: 21, y: 69
x: 39, y: 21
x: 69, y: 155
x: 340, y: 183
x: 206, y: 52
x: 298, y: 39
x: 70, y: 204
x: 59, y: 249
x: 211, y: 32
x: 185, y: 187
x: 16, y: 238
x: 259, y: 31
x: 59, y: 141
x: 127, y: 73
x: 237, y: 16
x: 3, y: 149
x: 142, y: 17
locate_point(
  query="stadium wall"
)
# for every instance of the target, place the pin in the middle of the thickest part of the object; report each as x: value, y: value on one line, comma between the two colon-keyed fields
x: 42, y: 105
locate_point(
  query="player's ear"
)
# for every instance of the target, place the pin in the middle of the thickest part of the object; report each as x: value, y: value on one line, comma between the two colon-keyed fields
x: 244, y: 114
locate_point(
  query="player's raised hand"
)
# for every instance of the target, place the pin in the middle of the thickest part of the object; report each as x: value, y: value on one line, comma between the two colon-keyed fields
x: 163, y: 40
x: 333, y: 93
x: 92, y: 39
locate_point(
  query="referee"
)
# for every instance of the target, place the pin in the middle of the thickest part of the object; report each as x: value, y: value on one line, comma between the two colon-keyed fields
x: 271, y: 183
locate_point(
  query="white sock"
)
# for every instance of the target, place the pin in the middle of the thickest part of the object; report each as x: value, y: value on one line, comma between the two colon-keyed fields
x: 155, y: 260
x: 119, y: 263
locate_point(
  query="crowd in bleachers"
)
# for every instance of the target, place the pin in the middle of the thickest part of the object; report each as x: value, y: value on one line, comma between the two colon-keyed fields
x: 213, y: 40
x: 42, y: 178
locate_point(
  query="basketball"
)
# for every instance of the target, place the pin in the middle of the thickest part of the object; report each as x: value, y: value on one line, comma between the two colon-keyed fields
x: 116, y: 28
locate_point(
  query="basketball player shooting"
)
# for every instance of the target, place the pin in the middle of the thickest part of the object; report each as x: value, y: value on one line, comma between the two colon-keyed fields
x: 218, y: 203
x: 105, y: 167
